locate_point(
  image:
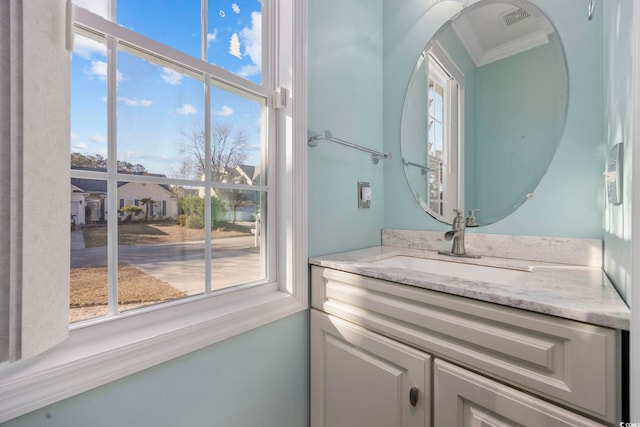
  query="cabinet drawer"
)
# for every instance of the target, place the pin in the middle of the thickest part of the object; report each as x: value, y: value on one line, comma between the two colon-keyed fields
x: 462, y: 398
x: 573, y: 363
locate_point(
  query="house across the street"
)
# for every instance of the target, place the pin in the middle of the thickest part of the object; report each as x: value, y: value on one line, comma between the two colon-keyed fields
x: 89, y: 199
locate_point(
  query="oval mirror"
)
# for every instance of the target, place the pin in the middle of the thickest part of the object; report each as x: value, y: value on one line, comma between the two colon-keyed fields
x: 484, y: 111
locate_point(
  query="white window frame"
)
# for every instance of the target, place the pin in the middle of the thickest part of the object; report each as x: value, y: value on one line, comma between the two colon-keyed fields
x: 117, y: 39
x: 452, y: 80
x: 102, y: 351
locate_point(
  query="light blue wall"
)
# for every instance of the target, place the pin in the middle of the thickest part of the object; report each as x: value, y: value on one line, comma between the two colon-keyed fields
x: 569, y: 201
x: 259, y: 378
x: 520, y: 119
x: 345, y: 97
x: 618, y: 123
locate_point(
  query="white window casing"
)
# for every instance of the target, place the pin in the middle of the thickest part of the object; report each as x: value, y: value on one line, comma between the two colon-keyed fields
x: 106, y: 349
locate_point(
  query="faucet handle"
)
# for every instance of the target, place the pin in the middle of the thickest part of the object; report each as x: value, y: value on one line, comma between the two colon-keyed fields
x: 459, y: 221
x: 471, y: 219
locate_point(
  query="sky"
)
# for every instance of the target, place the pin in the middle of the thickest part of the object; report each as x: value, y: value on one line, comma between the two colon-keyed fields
x: 158, y: 106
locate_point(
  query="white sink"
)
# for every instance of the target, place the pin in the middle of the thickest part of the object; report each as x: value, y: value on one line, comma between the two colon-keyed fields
x: 459, y: 270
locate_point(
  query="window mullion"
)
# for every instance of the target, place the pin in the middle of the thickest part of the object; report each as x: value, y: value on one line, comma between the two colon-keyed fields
x: 112, y: 180
x: 269, y: 51
x: 204, y: 22
x: 207, y: 180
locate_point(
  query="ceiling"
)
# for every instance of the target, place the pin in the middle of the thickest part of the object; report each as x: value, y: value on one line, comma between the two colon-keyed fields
x: 498, y: 30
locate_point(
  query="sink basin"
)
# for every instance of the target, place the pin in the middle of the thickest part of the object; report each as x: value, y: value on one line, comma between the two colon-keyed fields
x: 459, y: 270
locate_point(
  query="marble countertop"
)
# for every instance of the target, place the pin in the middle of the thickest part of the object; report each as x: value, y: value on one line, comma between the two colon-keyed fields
x: 581, y: 293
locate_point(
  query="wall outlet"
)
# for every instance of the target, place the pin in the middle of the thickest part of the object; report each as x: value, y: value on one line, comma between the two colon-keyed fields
x: 364, y: 195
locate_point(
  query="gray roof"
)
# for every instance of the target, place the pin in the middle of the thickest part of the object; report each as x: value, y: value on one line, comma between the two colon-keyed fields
x: 100, y: 186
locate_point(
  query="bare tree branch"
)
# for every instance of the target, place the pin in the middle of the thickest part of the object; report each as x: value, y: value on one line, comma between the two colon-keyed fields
x: 229, y: 147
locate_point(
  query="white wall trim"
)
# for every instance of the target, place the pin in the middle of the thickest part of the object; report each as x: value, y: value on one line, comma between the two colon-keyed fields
x: 634, y: 300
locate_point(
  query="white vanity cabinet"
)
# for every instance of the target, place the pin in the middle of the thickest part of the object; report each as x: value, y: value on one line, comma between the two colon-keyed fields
x: 364, y: 379
x: 491, y: 364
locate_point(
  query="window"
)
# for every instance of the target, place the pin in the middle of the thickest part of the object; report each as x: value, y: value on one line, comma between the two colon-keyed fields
x: 444, y: 140
x: 171, y: 156
x: 110, y: 183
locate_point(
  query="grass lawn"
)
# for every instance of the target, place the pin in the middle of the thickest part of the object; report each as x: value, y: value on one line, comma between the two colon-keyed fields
x: 143, y: 233
x: 135, y: 288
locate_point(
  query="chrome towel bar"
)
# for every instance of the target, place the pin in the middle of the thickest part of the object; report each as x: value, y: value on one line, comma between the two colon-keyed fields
x: 326, y: 135
x: 423, y: 169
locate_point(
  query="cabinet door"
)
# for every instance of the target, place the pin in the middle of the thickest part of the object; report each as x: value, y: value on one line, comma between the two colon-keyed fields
x: 465, y: 399
x: 360, y: 378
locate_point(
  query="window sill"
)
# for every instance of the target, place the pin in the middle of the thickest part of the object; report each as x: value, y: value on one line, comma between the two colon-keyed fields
x: 99, y: 353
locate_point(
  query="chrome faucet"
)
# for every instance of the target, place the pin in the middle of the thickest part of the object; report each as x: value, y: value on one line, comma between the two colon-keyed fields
x: 457, y: 234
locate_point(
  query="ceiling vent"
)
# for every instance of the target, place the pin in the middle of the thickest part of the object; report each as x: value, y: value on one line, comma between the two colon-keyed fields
x: 516, y: 15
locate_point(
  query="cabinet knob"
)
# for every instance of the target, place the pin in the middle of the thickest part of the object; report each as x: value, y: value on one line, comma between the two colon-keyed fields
x: 413, y: 396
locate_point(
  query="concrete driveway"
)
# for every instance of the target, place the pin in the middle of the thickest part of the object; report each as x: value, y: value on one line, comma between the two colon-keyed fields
x: 234, y: 260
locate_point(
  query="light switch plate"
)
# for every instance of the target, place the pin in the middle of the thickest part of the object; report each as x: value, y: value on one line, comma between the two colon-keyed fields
x: 362, y: 202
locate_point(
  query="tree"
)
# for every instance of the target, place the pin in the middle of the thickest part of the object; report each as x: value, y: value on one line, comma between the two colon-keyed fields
x: 146, y: 202
x: 237, y: 199
x: 99, y: 162
x: 129, y: 167
x: 131, y: 211
x: 229, y: 147
x: 90, y: 161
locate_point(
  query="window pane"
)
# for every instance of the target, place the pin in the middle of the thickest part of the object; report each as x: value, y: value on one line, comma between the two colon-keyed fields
x: 438, y: 140
x: 161, y: 255
x: 160, y: 116
x: 438, y: 100
x: 236, y: 139
x: 88, y: 279
x: 234, y: 37
x: 238, y: 249
x: 88, y: 139
x: 175, y: 23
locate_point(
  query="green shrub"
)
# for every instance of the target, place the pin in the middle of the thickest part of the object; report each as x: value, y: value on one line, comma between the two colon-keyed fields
x: 194, y: 221
x: 193, y: 206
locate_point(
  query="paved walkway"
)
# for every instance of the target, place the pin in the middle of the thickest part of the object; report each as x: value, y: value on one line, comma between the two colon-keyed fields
x: 77, y: 240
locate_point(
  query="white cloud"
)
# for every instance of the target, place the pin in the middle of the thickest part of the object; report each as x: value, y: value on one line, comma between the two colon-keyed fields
x: 135, y: 102
x: 252, y: 40
x: 235, y: 8
x: 99, y: 69
x: 86, y: 47
x: 234, y: 46
x: 81, y: 146
x: 211, y: 37
x: 99, y: 7
x: 172, y: 77
x: 98, y: 138
x: 249, y: 70
x: 225, y: 111
x: 186, y: 109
